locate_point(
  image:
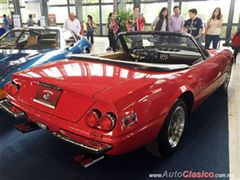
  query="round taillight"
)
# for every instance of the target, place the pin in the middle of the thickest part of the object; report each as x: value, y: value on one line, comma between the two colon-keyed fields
x: 11, y: 88
x: 92, y: 119
x: 14, y: 90
x: 7, y: 87
x: 107, y: 122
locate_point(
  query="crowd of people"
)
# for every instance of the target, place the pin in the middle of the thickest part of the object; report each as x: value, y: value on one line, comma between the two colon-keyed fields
x: 207, y: 33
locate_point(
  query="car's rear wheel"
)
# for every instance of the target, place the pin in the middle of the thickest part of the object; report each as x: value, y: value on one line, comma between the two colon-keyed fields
x: 224, y: 86
x: 171, y: 132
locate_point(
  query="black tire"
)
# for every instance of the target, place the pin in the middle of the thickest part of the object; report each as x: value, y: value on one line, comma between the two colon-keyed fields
x: 86, y: 50
x: 163, y: 146
x: 224, y: 86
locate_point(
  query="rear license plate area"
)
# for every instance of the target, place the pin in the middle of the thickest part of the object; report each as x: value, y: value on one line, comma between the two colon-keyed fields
x: 47, y: 96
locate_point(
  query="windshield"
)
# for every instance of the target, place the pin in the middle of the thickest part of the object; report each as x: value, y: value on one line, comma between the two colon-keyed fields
x: 161, y: 48
x: 161, y: 41
x: 30, y: 39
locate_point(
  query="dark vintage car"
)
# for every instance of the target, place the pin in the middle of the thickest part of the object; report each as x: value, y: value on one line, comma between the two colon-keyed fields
x: 28, y: 47
x: 117, y: 102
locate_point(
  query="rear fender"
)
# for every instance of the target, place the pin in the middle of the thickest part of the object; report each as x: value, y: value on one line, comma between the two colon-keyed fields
x: 180, y: 93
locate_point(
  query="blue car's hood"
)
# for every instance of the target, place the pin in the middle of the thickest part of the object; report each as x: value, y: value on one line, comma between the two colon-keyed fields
x: 10, y: 59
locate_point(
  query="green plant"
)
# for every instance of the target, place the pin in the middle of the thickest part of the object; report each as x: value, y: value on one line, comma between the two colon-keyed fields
x: 122, y: 18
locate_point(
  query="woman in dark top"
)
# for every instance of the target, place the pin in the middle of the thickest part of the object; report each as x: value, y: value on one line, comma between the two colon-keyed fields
x: 111, y: 35
x: 91, y: 26
x: 161, y: 23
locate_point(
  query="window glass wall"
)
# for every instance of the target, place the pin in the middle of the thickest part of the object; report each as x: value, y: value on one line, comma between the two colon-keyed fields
x: 92, y: 10
x: 57, y: 2
x: 71, y: 1
x: 60, y: 9
x: 205, y: 9
x: 60, y: 12
x: 149, y: 0
x: 151, y: 10
x: 129, y: 7
x: 90, y: 1
x: 234, y: 30
x: 22, y: 2
x: 93, y: 7
x: 107, y: 1
x: 236, y: 12
x: 30, y: 8
x: 24, y: 15
x: 104, y: 29
x: 106, y: 9
x: 72, y: 9
x: 4, y: 9
x: 236, y: 17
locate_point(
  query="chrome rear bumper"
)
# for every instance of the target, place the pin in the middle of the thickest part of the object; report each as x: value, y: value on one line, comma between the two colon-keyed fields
x: 11, y: 109
x: 93, y: 146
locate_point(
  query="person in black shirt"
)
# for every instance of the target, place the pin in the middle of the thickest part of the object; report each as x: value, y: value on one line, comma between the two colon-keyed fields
x: 111, y: 36
x: 194, y: 25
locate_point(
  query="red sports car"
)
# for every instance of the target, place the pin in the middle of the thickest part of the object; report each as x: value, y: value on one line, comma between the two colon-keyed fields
x: 117, y: 102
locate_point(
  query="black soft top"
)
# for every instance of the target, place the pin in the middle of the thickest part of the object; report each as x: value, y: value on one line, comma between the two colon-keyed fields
x: 132, y: 64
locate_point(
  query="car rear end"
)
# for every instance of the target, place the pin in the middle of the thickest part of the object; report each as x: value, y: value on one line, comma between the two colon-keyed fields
x: 61, y: 112
x: 67, y: 107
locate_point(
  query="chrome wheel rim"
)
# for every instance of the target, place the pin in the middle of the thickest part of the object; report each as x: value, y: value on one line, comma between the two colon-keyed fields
x: 176, y: 126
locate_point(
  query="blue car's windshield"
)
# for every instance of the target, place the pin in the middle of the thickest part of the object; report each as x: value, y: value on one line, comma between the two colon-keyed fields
x: 30, y: 39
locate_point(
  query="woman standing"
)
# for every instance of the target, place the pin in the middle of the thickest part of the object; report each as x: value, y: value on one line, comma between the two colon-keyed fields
x: 161, y: 23
x: 91, y: 26
x: 140, y: 19
x: 111, y: 36
x: 30, y: 20
x: 213, y: 29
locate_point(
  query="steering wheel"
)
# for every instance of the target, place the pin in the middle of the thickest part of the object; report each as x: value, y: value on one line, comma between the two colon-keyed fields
x: 139, y: 54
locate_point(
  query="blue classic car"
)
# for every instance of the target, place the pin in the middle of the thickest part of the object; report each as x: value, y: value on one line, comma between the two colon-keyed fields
x: 28, y: 47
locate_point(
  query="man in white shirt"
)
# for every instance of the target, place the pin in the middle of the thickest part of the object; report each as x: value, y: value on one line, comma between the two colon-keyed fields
x: 72, y: 23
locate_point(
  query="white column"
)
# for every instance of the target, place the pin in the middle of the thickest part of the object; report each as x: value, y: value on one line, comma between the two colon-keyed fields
x: 170, y: 6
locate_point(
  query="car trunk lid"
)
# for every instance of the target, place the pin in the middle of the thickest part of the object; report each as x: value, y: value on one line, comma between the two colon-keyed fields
x: 66, y: 88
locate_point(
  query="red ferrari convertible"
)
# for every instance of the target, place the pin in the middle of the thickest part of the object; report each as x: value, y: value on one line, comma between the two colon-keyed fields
x: 117, y: 102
